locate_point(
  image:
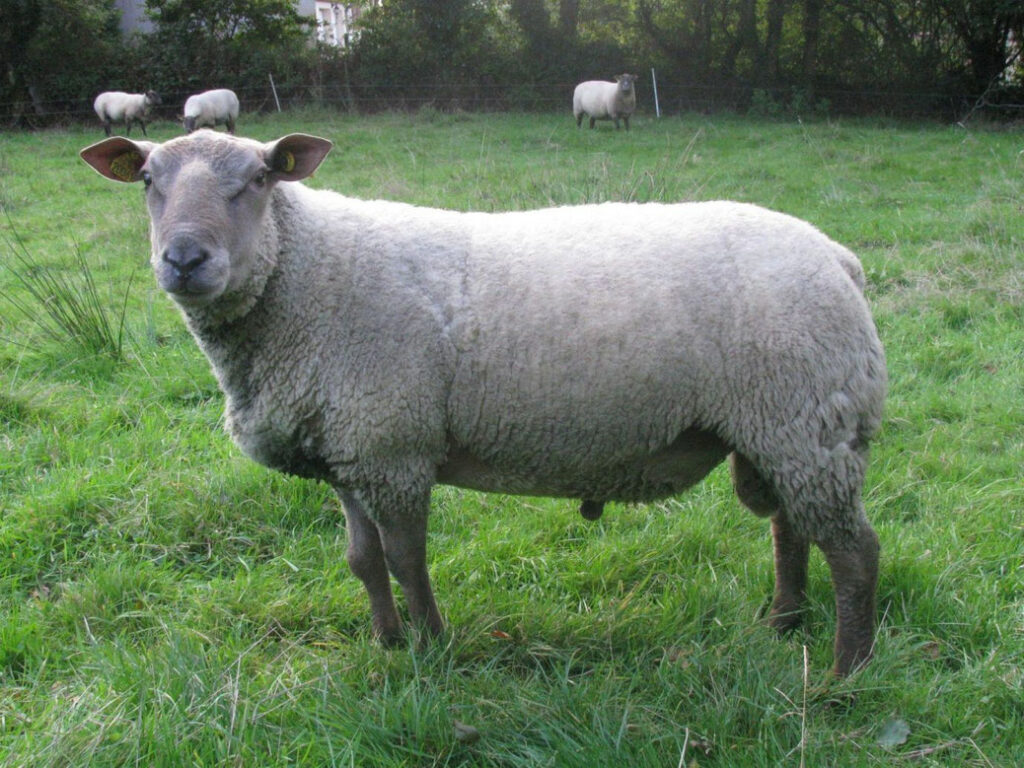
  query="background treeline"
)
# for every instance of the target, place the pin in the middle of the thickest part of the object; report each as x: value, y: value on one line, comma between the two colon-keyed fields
x: 944, y: 58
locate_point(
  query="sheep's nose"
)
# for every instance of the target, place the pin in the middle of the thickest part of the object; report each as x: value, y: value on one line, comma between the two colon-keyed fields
x: 185, y: 255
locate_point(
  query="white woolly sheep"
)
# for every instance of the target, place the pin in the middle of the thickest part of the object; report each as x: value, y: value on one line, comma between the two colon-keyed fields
x: 384, y: 348
x: 602, y: 100
x: 117, y: 106
x: 210, y: 109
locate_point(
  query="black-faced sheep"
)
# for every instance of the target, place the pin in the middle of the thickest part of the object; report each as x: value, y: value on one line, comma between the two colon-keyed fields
x: 210, y: 109
x: 602, y: 100
x: 384, y: 348
x: 117, y: 106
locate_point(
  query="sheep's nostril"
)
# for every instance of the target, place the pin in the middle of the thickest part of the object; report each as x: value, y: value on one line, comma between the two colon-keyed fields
x: 185, y: 256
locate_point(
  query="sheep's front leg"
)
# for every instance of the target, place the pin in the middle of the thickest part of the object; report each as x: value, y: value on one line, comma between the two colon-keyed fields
x: 365, y: 557
x: 404, y: 536
x: 395, y: 543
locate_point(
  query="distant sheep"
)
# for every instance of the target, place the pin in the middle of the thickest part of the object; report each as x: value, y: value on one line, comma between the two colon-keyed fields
x: 602, y: 100
x: 210, y: 109
x: 117, y: 106
x: 598, y: 352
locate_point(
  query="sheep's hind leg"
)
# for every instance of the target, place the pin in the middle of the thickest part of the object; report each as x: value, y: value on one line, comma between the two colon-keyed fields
x: 365, y: 557
x: 792, y: 550
x: 854, y: 566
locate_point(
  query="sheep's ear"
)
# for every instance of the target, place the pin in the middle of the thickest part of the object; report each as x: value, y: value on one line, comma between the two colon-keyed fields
x: 295, y: 156
x: 118, y: 158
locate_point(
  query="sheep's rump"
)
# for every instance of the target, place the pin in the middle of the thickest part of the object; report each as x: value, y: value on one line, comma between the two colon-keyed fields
x: 211, y: 108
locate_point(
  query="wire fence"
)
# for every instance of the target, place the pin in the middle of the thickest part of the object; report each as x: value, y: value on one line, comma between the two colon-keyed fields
x: 673, y: 98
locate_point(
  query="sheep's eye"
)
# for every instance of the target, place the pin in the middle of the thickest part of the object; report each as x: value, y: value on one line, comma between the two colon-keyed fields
x: 147, y: 178
x: 260, y: 179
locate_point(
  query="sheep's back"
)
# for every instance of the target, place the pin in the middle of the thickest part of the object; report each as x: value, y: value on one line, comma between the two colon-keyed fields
x: 220, y: 102
x: 589, y: 334
x: 593, y: 96
x: 113, y: 104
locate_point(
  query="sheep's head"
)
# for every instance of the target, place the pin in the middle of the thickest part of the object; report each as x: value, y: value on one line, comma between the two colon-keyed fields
x: 625, y: 82
x: 206, y: 193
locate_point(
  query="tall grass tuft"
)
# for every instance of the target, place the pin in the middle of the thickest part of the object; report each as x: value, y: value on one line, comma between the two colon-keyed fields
x: 66, y: 309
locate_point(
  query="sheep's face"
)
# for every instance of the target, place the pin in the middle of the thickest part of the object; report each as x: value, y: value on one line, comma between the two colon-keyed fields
x: 207, y: 194
x: 625, y: 83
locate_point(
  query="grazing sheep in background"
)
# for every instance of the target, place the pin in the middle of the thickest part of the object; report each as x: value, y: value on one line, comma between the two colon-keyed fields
x: 210, y: 109
x: 115, y: 106
x: 602, y: 100
x: 599, y: 352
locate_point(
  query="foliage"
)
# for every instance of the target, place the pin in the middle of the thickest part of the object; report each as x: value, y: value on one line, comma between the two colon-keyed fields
x: 429, y: 51
x: 198, y: 44
x: 55, y: 52
x: 64, y: 303
x: 933, y: 50
x: 19, y: 20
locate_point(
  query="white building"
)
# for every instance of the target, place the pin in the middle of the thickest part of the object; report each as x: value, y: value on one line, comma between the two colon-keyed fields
x: 335, y: 22
x: 133, y: 16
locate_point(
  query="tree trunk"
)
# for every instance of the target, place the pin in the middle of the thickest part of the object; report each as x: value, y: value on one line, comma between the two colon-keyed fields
x: 812, y: 34
x: 773, y: 39
x: 568, y: 18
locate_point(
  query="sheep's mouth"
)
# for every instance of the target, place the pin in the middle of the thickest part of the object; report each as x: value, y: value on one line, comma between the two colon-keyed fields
x: 190, y: 270
x: 195, y: 287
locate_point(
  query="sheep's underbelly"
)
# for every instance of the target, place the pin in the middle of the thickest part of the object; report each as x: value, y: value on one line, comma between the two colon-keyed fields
x: 639, y: 478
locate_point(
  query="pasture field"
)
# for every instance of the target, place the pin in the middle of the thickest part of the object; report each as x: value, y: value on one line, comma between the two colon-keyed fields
x: 165, y: 602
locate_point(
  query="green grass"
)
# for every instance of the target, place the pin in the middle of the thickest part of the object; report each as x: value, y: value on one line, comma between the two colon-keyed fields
x: 166, y: 602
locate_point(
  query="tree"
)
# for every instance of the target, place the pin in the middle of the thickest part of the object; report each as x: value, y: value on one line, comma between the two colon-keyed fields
x: 425, y: 50
x: 56, y: 54
x: 989, y: 31
x: 226, y: 42
x: 19, y: 20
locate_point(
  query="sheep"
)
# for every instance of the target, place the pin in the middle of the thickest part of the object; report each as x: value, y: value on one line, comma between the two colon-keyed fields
x: 602, y: 100
x: 384, y: 348
x: 115, y: 106
x: 211, y: 108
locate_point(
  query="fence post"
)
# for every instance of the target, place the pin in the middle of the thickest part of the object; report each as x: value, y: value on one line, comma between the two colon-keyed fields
x: 274, y: 90
x: 654, y: 82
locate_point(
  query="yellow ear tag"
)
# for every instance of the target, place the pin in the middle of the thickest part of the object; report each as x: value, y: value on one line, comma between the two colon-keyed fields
x: 125, y: 166
x: 289, y: 162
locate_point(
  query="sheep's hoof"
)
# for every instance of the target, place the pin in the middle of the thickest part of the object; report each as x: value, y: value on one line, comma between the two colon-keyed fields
x: 392, y: 639
x: 591, y: 510
x: 785, y: 620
